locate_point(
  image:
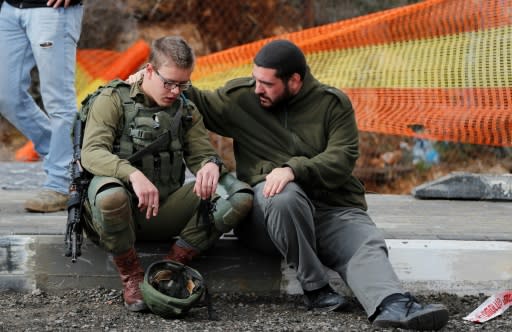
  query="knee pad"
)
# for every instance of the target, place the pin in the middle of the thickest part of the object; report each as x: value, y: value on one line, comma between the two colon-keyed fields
x: 114, y: 208
x: 112, y: 198
x: 233, y: 203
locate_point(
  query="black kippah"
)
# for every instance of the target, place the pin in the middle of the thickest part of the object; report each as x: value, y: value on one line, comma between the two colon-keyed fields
x: 282, y: 55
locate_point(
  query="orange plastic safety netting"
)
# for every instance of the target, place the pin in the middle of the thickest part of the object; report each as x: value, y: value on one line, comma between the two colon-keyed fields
x: 96, y: 66
x: 439, y: 69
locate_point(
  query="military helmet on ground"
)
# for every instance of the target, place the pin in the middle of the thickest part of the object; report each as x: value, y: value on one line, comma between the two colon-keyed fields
x: 170, y: 288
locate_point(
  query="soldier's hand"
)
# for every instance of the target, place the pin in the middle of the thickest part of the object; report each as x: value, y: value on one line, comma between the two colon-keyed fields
x: 277, y: 180
x: 58, y: 3
x: 146, y: 192
x: 207, y: 179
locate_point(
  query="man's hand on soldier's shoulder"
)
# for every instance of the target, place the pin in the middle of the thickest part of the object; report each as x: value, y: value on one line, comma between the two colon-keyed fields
x: 58, y: 3
x: 135, y: 77
x: 146, y: 192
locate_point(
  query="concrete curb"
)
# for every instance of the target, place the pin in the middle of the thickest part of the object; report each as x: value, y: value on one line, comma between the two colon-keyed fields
x: 37, y: 262
x: 424, y: 266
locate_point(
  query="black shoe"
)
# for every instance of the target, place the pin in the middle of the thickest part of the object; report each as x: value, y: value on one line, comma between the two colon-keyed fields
x: 406, y: 313
x: 324, y: 299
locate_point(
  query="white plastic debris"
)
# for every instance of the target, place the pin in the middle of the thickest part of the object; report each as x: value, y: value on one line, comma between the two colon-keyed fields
x: 491, y: 308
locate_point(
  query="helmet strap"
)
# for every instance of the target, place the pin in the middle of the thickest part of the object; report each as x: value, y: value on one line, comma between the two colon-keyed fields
x: 212, y: 315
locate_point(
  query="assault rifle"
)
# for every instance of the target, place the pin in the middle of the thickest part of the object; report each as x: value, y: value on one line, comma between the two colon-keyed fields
x: 80, y: 180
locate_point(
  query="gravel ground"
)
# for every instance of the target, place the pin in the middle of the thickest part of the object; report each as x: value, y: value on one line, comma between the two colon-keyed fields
x: 101, y: 309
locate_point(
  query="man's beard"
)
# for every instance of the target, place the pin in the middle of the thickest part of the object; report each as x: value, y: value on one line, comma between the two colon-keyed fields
x: 280, y: 101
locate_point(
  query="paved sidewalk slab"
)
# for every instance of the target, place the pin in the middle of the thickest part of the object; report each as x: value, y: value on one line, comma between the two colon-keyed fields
x: 399, y: 216
x: 455, y: 246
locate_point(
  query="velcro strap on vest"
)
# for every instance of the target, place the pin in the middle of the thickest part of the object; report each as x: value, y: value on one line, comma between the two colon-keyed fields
x: 142, y: 134
x: 146, y: 133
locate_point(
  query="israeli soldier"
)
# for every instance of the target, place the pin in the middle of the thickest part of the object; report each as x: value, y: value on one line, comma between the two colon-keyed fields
x: 145, y: 197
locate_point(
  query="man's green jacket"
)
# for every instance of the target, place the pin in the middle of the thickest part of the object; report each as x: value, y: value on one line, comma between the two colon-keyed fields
x: 314, y: 133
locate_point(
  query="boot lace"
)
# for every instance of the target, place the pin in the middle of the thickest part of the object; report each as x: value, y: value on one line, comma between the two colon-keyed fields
x: 410, y: 302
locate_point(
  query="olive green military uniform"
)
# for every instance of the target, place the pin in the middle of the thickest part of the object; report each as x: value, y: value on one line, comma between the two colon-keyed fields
x: 112, y: 216
x: 319, y: 219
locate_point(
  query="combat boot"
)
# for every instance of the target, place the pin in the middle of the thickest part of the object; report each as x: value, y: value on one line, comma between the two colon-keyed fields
x: 132, y: 275
x: 181, y: 255
x: 47, y: 201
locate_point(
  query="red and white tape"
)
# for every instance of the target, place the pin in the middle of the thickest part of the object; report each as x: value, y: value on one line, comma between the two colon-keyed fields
x: 491, y: 308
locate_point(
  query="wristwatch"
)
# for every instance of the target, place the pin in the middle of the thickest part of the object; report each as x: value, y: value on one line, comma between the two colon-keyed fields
x: 216, y: 160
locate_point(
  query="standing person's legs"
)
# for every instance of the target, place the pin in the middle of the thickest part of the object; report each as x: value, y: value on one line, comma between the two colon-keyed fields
x: 16, y: 61
x: 53, y: 35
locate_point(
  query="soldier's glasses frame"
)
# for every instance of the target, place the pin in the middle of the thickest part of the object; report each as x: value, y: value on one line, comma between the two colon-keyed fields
x: 171, y: 85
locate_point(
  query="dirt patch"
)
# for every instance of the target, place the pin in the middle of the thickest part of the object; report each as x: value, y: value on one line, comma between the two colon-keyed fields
x: 102, y: 310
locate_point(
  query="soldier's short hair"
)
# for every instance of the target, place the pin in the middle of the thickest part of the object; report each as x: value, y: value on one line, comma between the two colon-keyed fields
x: 173, y: 48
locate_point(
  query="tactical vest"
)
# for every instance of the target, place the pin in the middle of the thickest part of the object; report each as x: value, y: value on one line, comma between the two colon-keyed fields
x: 151, y: 138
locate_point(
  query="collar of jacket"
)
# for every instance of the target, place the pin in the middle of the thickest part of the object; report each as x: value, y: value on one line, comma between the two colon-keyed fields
x: 139, y: 96
x: 308, y: 84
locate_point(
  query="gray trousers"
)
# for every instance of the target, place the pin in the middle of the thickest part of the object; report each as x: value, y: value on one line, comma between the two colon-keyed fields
x: 312, y: 236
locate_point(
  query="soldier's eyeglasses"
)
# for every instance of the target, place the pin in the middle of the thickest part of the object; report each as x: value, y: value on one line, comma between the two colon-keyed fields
x: 171, y: 85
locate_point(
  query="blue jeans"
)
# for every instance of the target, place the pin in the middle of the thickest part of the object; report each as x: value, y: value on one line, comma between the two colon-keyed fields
x: 48, y: 38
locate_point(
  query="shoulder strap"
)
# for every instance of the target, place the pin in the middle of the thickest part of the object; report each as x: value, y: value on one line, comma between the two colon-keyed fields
x: 102, y: 89
x: 130, y: 112
x: 238, y: 83
x: 87, y: 102
x: 344, y: 100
